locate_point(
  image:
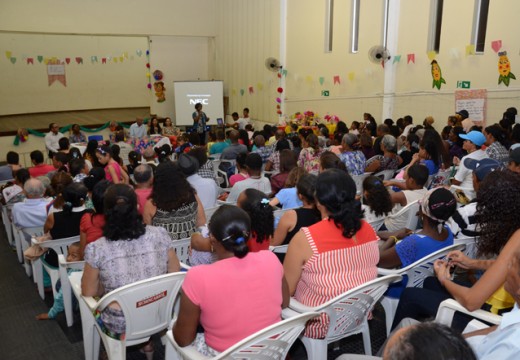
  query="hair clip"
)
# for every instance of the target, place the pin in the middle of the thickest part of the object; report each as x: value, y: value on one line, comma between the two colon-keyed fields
x: 103, y: 152
x: 264, y: 201
x: 240, y: 240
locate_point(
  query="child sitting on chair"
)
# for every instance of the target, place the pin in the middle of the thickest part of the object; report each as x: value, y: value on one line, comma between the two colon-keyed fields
x: 57, y: 307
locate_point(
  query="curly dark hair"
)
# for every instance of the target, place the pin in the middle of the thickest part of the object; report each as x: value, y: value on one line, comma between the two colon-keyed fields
x: 123, y: 221
x: 498, y: 206
x: 377, y: 196
x: 171, y: 190
x: 259, y: 210
x: 336, y: 191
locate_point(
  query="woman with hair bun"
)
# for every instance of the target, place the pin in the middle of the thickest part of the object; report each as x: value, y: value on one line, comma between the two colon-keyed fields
x: 241, y: 282
x: 377, y: 202
x: 334, y: 255
x: 130, y: 251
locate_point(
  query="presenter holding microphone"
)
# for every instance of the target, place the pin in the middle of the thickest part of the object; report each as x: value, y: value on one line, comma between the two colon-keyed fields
x: 199, y: 122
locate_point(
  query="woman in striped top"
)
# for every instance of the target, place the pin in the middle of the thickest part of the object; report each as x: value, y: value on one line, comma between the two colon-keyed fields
x: 334, y: 255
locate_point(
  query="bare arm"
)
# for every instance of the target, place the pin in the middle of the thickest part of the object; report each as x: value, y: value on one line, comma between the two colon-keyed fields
x: 201, y: 215
x: 286, y: 224
x: 185, y: 328
x: 112, y: 171
x: 149, y: 212
x: 298, y: 253
x: 388, y: 257
x: 268, y: 165
x: 173, y: 262
x: 398, y: 198
x: 374, y: 165
x: 286, y: 297
x: 199, y: 242
x: 49, y: 223
x: 90, y: 284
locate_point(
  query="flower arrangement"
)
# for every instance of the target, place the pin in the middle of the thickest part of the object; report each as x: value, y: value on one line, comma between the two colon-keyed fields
x: 331, y: 119
x: 308, y: 118
x: 23, y: 134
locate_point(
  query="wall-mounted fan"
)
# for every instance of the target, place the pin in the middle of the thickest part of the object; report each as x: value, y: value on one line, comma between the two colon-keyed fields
x: 378, y: 54
x: 272, y: 64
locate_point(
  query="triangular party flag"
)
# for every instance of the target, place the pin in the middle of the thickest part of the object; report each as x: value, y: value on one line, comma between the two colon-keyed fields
x: 351, y: 76
x: 470, y: 49
x: 67, y: 60
x: 109, y: 58
x: 93, y: 59
x: 8, y: 54
x: 397, y: 58
x: 139, y: 52
x: 40, y: 58
x: 121, y: 58
x: 46, y: 61
x: 242, y: 92
x: 125, y: 55
x: 251, y: 90
x: 103, y: 60
x: 79, y: 60
x: 30, y: 61
x: 322, y: 80
x: 260, y: 86
x: 234, y: 92
x: 496, y: 45
x: 431, y: 54
x: 284, y: 72
x: 454, y: 53
x: 114, y: 59
x: 308, y: 79
x: 337, y: 79
x: 13, y: 59
x: 411, y: 58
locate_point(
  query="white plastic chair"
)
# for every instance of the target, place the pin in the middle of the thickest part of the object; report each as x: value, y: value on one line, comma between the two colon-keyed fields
x: 358, y: 179
x: 66, y: 288
x: 280, y: 249
x: 447, y: 310
x: 273, y: 342
x: 209, y: 212
x: 416, y: 272
x: 60, y: 246
x: 376, y: 224
x: 278, y: 213
x: 147, y: 306
x: 348, y: 314
x: 440, y: 179
x: 25, y: 235
x: 7, y: 225
x: 17, y: 242
x: 410, y: 212
x: 182, y: 249
x: 470, y: 249
x: 385, y: 174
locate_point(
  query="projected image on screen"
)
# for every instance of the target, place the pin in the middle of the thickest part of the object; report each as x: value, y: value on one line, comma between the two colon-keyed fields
x: 189, y: 93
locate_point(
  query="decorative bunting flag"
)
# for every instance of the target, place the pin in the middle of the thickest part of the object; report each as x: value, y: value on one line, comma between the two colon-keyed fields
x: 470, y: 49
x: 337, y: 79
x: 284, y: 72
x: 13, y: 59
x: 67, y: 60
x: 114, y: 59
x: 30, y: 61
x: 242, y: 92
x: 46, y: 61
x: 260, y: 86
x: 139, y: 53
x: 79, y: 60
x: 40, y: 58
x: 251, y: 90
x: 496, y: 45
x: 455, y: 53
x: 397, y: 58
x: 121, y: 58
x: 103, y: 60
x: 8, y: 54
x: 411, y: 58
x: 322, y: 80
x: 351, y: 76
x: 431, y: 54
x: 308, y: 79
x: 125, y: 55
x: 93, y: 59
x: 234, y: 92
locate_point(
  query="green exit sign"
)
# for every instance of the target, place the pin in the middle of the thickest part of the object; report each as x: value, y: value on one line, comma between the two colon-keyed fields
x: 463, y: 84
x: 325, y: 93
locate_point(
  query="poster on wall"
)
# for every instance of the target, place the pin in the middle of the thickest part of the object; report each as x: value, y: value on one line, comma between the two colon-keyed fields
x: 56, y: 72
x: 475, y: 102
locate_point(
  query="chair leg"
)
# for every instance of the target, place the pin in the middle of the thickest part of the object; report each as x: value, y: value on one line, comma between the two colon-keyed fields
x: 90, y: 336
x: 116, y: 350
x: 367, y: 344
x: 390, y: 306
x: 316, y: 348
x: 38, y: 276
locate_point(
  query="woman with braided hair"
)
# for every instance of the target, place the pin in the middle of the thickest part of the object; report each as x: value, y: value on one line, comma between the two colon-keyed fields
x: 249, y: 284
x: 334, y: 255
x: 256, y: 205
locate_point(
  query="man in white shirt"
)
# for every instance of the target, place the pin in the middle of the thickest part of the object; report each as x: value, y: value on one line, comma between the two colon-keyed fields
x: 123, y: 146
x: 52, y: 138
x: 255, y: 181
x: 33, y: 211
x: 472, y: 144
x: 243, y: 121
x: 408, y: 122
x: 138, y: 129
x: 206, y: 188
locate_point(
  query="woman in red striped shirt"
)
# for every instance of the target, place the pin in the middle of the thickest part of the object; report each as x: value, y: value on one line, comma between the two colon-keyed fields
x: 334, y: 255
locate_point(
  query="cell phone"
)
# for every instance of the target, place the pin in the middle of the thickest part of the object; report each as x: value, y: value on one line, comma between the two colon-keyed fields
x: 220, y: 122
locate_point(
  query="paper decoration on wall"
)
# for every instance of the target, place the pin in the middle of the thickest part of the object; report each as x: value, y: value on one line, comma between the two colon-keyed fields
x: 234, y: 92
x: 437, y: 75
x: 121, y: 58
x: 30, y: 61
x: 40, y: 58
x: 308, y: 79
x: 260, y: 86
x: 46, y: 61
x: 322, y: 80
x: 159, y: 88
x: 455, y: 53
x: 67, y: 60
x: 251, y: 90
x: 93, y: 59
x: 13, y: 60
x: 284, y: 72
x: 410, y: 58
x: 109, y: 58
x: 431, y: 55
x: 242, y: 92
x: 8, y: 54
x: 470, y: 49
x: 56, y: 72
x: 397, y: 58
x: 139, y: 53
x: 103, y: 60
x: 158, y: 75
x: 79, y: 60
x: 125, y: 54
x: 504, y: 69
x: 351, y: 76
x: 496, y: 45
x: 337, y: 79
x: 114, y: 59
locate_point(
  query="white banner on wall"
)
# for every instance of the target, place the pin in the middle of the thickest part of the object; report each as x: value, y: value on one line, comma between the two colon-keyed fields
x: 475, y: 102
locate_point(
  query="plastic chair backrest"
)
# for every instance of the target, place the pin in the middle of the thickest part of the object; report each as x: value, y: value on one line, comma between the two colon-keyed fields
x: 410, y: 212
x: 422, y: 268
x: 182, y: 249
x: 385, y: 174
x: 278, y: 213
x: 349, y: 310
x: 61, y: 246
x: 147, y: 305
x: 358, y: 179
x: 209, y: 212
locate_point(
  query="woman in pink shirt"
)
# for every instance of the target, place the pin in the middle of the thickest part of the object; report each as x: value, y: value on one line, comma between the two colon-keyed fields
x: 113, y: 171
x: 234, y: 297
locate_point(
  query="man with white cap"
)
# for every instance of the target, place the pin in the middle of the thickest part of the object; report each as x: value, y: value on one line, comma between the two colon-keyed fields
x: 473, y: 142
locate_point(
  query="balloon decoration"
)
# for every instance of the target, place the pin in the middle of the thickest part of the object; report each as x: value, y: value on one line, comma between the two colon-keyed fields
x: 158, y: 75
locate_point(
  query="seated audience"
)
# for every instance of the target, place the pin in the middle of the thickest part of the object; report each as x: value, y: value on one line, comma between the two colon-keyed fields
x: 472, y: 144
x: 205, y: 297
x: 143, y: 178
x: 76, y: 135
x: 39, y: 167
x: 168, y: 129
x: 288, y: 197
x: 78, y: 169
x: 64, y: 145
x: 14, y: 193
x: 173, y: 204
x: 154, y: 128
x: 377, y: 203
x: 90, y: 153
x: 134, y: 160
x: 261, y: 149
x: 287, y: 163
x: 92, y: 223
x: 389, y: 160
x: 206, y: 189
x: 365, y: 143
x: 322, y: 260
x: 33, y: 211
x: 255, y: 180
x: 129, y: 251
x: 353, y: 159
x: 242, y: 173
x: 113, y: 171
x: 514, y: 160
x: 495, y: 142
x: 413, y: 186
x: 231, y: 152
x: 220, y: 145
x: 329, y: 160
x: 273, y: 162
x: 456, y: 143
x: 309, y: 158
x: 256, y: 205
x: 293, y: 220
x: 95, y: 175
x: 59, y: 182
x: 13, y: 164
x: 206, y: 169
x: 123, y: 146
